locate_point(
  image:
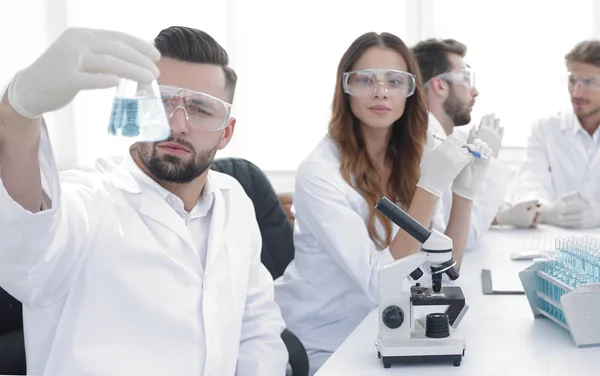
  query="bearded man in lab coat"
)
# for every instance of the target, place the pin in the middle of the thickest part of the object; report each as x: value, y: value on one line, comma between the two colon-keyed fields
x: 146, y: 267
x: 561, y: 169
x: 450, y: 87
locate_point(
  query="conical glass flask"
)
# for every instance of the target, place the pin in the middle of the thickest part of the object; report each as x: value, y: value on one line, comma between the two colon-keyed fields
x: 138, y: 113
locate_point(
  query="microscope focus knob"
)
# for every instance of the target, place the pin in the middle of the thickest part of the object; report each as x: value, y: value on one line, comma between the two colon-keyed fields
x: 392, y: 317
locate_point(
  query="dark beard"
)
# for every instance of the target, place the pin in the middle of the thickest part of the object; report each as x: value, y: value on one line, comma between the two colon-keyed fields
x: 583, y: 115
x: 456, y: 110
x: 173, y: 169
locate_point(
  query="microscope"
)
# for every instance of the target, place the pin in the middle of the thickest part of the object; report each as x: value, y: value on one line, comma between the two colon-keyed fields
x: 403, y: 338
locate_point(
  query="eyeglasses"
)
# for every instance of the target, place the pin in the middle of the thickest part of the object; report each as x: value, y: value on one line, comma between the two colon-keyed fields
x: 202, y: 111
x: 588, y: 82
x: 365, y: 82
x: 465, y: 77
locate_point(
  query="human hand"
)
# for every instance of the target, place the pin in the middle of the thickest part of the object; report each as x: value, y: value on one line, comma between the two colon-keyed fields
x: 490, y: 132
x: 80, y: 59
x: 522, y: 215
x: 441, y: 165
x: 573, y: 210
x: 469, y: 180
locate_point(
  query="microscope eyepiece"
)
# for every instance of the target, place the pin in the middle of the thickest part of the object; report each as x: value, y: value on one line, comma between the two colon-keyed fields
x: 392, y: 212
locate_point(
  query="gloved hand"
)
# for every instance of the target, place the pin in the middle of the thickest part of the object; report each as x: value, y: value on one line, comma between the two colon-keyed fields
x: 489, y: 132
x: 441, y: 165
x: 80, y: 59
x: 521, y: 215
x: 470, y: 178
x: 590, y: 216
x: 573, y: 210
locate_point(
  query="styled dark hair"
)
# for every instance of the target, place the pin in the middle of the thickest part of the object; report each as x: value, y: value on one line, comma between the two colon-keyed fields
x: 432, y: 56
x: 405, y: 146
x: 195, y: 46
x: 587, y: 52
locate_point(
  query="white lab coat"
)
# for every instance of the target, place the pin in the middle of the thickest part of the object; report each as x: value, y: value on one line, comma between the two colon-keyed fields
x: 331, y: 285
x: 557, y: 161
x: 102, y: 297
x: 488, y: 200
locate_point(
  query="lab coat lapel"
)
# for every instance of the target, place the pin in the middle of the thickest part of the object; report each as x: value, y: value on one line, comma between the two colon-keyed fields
x: 156, y: 208
x: 217, y: 268
x: 576, y: 145
x: 217, y: 226
x: 151, y: 205
x: 570, y: 127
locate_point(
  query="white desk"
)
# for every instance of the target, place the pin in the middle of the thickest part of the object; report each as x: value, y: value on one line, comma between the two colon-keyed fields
x: 501, y: 335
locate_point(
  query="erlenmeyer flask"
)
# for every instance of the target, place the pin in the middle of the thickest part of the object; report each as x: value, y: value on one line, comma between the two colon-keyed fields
x: 138, y: 113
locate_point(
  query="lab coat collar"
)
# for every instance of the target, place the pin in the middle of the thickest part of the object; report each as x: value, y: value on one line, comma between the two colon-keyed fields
x: 127, y: 176
x: 436, y: 127
x: 119, y: 173
x: 570, y: 123
x: 202, y: 206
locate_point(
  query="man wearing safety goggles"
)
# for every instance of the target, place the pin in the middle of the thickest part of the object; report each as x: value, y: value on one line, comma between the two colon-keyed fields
x: 150, y: 266
x: 450, y: 87
x: 561, y: 171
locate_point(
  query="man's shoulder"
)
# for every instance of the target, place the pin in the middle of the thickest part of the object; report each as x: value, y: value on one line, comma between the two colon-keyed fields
x: 81, y: 177
x: 230, y: 186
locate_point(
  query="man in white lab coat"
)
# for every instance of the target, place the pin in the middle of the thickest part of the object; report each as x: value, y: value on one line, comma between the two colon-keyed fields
x: 147, y: 267
x: 451, y: 93
x: 561, y: 169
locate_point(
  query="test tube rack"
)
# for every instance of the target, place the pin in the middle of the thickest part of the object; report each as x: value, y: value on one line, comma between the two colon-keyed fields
x: 575, y: 309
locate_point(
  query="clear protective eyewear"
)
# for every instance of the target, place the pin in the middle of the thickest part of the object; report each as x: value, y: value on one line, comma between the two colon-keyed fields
x: 465, y: 77
x: 365, y: 82
x: 588, y: 82
x: 202, y: 111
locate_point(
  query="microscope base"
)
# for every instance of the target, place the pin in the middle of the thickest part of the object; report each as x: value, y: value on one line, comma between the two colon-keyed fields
x: 422, y: 350
x: 454, y: 359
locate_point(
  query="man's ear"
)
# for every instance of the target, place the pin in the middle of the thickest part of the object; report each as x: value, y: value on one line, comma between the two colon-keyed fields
x: 227, y: 133
x: 439, y: 87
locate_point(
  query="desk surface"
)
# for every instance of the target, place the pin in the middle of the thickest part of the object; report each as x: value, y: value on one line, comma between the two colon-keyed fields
x: 501, y: 335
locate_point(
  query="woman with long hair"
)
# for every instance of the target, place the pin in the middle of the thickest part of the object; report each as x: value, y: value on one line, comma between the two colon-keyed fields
x: 375, y: 147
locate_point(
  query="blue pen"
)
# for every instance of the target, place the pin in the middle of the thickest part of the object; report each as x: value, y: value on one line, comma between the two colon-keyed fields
x: 475, y: 153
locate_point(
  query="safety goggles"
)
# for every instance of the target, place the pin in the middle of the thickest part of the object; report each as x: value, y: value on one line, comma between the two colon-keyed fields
x: 588, y: 82
x: 202, y: 111
x: 465, y: 77
x: 364, y: 83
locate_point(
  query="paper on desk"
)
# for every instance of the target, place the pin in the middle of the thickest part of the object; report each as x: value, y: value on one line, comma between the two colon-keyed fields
x: 506, y: 278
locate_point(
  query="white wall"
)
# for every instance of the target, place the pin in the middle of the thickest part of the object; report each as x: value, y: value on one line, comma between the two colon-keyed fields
x: 286, y: 55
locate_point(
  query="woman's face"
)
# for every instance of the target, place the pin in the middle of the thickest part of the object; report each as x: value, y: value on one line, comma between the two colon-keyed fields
x: 379, y: 87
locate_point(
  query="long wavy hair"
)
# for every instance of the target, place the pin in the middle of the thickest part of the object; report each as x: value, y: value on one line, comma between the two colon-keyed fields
x: 405, y: 145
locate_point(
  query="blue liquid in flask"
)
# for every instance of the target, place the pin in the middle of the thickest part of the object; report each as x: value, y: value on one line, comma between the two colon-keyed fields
x: 139, y: 119
x: 124, y: 118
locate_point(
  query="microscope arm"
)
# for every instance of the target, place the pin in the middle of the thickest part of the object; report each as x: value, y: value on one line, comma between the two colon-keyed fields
x: 392, y: 275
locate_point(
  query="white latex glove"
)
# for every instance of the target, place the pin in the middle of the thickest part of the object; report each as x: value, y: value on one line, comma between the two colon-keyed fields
x: 588, y: 216
x: 470, y: 178
x: 490, y: 132
x: 521, y: 215
x: 572, y: 210
x: 80, y: 59
x: 441, y: 165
